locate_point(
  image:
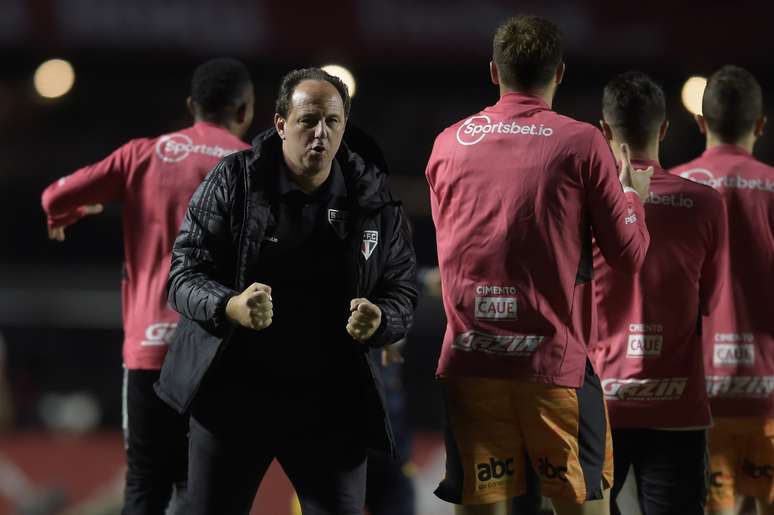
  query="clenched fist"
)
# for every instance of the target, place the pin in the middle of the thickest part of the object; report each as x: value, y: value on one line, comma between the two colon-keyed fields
x: 364, y: 320
x: 252, y: 308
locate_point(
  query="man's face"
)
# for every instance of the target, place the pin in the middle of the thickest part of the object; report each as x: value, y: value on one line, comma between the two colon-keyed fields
x: 313, y: 130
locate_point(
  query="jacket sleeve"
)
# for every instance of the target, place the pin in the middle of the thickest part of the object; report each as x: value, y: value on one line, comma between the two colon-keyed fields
x: 203, y: 256
x: 99, y: 183
x: 397, y: 291
x: 617, y: 217
x: 713, y: 270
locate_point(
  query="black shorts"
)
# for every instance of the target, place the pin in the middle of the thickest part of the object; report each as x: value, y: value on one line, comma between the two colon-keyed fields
x: 670, y: 469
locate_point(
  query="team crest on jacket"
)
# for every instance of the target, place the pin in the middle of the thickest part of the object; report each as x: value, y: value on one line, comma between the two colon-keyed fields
x: 370, y: 241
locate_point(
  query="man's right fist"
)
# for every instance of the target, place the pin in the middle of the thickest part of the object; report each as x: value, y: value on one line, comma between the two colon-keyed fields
x: 252, y: 308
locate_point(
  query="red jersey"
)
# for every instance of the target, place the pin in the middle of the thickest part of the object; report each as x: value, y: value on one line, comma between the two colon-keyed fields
x: 739, y: 334
x: 154, y: 179
x: 515, y: 193
x: 649, y: 353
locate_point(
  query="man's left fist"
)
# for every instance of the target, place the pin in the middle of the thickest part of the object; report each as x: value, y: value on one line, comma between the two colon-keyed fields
x: 364, y: 320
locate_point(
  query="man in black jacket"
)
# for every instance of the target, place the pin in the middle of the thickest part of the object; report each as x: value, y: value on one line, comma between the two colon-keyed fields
x: 304, y: 226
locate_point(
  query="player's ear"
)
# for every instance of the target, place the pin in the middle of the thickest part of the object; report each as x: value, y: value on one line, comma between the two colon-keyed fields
x: 760, y: 124
x: 279, y: 124
x: 190, y: 104
x: 494, y: 74
x: 559, y: 76
x: 606, y: 130
x: 662, y: 131
x: 241, y: 113
x: 701, y: 123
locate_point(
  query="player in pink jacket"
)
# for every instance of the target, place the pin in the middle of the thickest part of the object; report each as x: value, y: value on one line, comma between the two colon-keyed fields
x: 153, y: 179
x: 649, y: 352
x: 739, y: 334
x: 516, y: 192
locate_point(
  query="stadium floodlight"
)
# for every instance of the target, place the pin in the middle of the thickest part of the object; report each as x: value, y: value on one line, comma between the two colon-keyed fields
x: 344, y: 74
x: 693, y: 91
x: 54, y: 78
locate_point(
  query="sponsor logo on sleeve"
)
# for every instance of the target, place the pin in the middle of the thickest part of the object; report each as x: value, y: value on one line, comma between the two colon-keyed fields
x: 475, y: 129
x: 631, y: 218
x: 645, y: 340
x: 173, y: 148
x: 644, y: 389
x: 370, y: 241
x: 509, y: 345
x: 740, y: 387
x: 158, y: 334
x: 706, y: 177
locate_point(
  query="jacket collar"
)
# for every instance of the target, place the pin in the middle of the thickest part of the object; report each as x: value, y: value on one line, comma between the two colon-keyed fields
x: 362, y: 164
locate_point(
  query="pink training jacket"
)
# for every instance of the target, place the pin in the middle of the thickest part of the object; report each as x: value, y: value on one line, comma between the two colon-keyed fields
x: 649, y: 353
x: 739, y: 334
x: 515, y: 192
x: 154, y: 179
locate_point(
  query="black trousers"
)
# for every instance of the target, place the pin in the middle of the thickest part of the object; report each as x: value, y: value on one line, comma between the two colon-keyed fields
x: 156, y: 441
x: 316, y: 434
x: 390, y: 485
x: 670, y: 469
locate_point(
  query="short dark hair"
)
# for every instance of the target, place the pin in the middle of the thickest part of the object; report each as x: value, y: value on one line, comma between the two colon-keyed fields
x: 219, y: 86
x: 732, y: 103
x: 527, y: 50
x: 634, y: 105
x: 293, y: 78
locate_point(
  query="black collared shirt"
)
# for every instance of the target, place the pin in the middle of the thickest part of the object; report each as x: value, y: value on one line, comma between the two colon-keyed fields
x: 302, y: 257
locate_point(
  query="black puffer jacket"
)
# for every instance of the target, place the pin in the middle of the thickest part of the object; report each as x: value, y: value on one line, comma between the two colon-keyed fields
x: 220, y: 239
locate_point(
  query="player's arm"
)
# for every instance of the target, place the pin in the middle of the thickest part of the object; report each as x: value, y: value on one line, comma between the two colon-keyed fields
x: 614, y: 199
x: 204, y: 253
x: 713, y: 270
x: 395, y: 295
x: 83, y: 192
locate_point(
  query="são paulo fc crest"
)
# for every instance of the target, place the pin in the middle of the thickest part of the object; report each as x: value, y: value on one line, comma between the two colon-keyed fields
x: 370, y: 241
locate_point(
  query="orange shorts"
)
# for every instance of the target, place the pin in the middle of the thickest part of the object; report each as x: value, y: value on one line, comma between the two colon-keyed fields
x: 497, y: 428
x: 741, y: 460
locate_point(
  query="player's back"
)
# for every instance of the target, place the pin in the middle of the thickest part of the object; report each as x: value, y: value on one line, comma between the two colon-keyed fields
x: 739, y: 334
x: 649, y: 352
x: 163, y: 173
x: 510, y: 196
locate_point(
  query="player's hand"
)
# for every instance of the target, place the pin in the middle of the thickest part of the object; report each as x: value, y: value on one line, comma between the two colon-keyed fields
x: 252, y: 308
x: 638, y: 180
x: 391, y: 354
x: 364, y: 320
x: 58, y: 233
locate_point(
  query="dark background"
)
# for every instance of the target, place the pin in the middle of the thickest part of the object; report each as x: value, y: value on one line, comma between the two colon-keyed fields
x: 419, y: 65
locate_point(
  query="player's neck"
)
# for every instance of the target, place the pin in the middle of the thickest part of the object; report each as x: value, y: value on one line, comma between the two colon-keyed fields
x: 305, y: 180
x: 746, y: 143
x: 547, y: 94
x: 231, y: 126
x: 647, y: 153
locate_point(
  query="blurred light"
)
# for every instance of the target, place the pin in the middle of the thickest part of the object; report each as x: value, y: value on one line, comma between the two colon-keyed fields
x: 693, y: 92
x: 344, y: 74
x: 54, y: 78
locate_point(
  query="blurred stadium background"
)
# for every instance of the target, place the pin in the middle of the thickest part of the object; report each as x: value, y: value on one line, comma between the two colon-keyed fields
x: 419, y: 66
